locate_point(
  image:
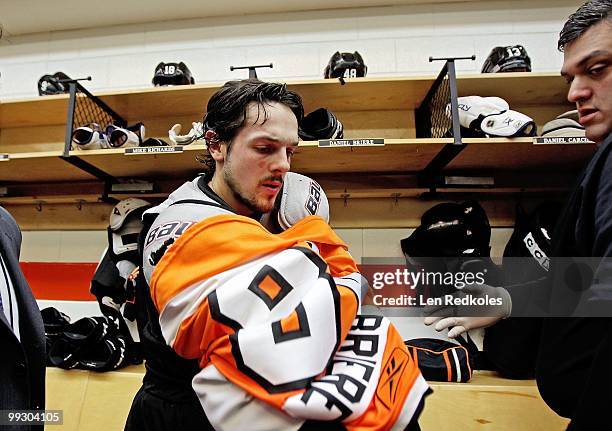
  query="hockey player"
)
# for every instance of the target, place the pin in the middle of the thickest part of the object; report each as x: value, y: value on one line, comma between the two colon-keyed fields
x: 256, y: 327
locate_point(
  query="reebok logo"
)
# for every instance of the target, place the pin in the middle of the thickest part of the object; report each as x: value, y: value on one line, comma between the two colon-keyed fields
x: 314, y: 198
x: 536, y: 252
x: 391, y: 376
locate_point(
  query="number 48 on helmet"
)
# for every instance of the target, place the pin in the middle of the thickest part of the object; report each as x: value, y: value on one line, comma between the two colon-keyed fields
x: 345, y: 65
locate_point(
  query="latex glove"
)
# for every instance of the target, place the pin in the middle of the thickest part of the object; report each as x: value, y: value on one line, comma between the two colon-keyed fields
x: 474, y: 306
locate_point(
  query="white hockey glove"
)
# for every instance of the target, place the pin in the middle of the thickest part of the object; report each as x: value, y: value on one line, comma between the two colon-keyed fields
x: 300, y: 197
x: 131, y: 136
x: 89, y: 137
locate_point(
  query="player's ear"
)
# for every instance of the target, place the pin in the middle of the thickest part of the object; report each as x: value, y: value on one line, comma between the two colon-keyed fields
x: 214, y: 145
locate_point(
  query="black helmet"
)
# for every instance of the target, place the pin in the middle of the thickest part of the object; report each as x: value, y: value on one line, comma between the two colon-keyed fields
x: 53, y: 84
x: 345, y: 65
x: 452, y: 238
x: 320, y: 124
x: 172, y: 74
x: 450, y: 230
x: 507, y: 59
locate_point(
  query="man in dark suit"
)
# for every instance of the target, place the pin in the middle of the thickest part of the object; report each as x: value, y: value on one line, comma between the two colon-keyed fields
x: 572, y: 369
x: 22, y: 334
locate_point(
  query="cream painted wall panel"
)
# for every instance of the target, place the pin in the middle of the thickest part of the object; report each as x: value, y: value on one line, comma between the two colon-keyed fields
x: 354, y: 239
x: 87, y: 246
x: 472, y: 18
x: 413, y: 53
x: 175, y: 35
x: 383, y: 242
x: 288, y: 61
x: 21, y: 79
x: 99, y: 43
x: 394, y: 40
x: 499, y: 239
x: 40, y: 246
x: 315, y: 27
x: 138, y: 65
x: 82, y: 246
x: 412, y: 56
x: 400, y: 22
x: 243, y: 33
x: 541, y: 17
x: 211, y: 65
x: 97, y: 68
x: 62, y: 48
x: 22, y: 49
x: 63, y: 246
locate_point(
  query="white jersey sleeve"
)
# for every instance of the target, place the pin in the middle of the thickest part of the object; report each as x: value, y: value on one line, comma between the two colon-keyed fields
x: 185, y: 207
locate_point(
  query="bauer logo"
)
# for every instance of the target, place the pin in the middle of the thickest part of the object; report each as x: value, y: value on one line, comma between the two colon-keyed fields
x: 536, y: 252
x: 314, y: 198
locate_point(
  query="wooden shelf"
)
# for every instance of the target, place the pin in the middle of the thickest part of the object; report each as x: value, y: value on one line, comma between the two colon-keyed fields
x: 32, y: 133
x: 39, y: 167
x: 521, y: 154
x: 41, y: 111
x: 397, y: 156
x: 518, y: 88
x: 358, y: 94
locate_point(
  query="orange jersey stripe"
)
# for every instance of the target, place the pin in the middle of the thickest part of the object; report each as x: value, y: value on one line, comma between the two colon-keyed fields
x: 197, y: 254
x: 449, y: 372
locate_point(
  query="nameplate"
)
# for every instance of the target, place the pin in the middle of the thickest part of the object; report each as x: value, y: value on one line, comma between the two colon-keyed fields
x: 351, y: 142
x: 153, y: 150
x: 561, y: 140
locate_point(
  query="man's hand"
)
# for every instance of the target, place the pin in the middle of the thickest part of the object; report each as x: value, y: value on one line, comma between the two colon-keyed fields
x: 474, y: 306
x: 300, y: 197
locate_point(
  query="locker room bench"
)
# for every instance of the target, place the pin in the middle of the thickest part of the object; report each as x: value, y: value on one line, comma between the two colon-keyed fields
x: 101, y: 401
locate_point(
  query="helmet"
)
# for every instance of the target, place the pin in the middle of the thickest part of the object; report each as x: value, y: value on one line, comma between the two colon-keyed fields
x: 450, y: 230
x: 320, y: 124
x: 507, y: 59
x: 452, y: 238
x: 566, y: 125
x: 51, y: 84
x: 172, y: 74
x: 345, y: 65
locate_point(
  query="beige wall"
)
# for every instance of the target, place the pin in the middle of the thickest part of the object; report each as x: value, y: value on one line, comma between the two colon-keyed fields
x: 88, y: 245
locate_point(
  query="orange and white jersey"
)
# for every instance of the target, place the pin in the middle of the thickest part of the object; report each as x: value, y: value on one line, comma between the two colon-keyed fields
x: 190, y: 203
x: 275, y: 316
